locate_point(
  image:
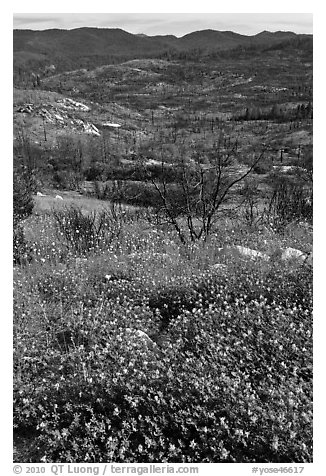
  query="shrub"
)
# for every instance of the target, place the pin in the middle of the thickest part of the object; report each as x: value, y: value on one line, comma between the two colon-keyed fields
x: 262, y: 168
x: 289, y: 202
x: 250, y: 194
x: 22, y: 195
x: 228, y: 380
x: 22, y: 252
x: 86, y: 232
x: 22, y: 208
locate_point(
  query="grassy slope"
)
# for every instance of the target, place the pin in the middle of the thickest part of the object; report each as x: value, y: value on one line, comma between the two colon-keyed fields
x: 166, y: 290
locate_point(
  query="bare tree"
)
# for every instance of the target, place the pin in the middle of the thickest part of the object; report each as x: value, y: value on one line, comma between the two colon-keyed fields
x: 203, y: 185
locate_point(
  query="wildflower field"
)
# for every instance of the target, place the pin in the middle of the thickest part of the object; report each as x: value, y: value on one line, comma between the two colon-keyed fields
x: 224, y: 375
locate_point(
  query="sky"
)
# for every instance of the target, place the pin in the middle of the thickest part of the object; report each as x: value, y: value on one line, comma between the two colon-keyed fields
x: 177, y: 24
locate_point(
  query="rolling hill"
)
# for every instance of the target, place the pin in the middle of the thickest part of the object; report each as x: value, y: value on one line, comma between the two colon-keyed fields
x: 66, y: 50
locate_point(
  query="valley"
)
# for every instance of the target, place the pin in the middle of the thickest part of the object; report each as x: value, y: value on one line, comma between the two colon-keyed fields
x: 163, y: 238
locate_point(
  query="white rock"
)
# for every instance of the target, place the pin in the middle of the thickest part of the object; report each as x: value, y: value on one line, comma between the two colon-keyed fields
x: 111, y: 124
x: 253, y: 254
x: 91, y: 129
x: 39, y: 194
x: 58, y: 197
x: 241, y: 251
x: 57, y: 116
x: 283, y: 168
x: 71, y: 104
x: 141, y: 337
x: 292, y: 253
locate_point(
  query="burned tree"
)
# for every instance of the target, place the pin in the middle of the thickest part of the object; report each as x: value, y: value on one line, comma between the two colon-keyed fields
x: 203, y: 184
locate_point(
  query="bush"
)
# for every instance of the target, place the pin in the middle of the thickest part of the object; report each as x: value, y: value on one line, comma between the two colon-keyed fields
x: 86, y: 232
x: 262, y: 168
x: 22, y: 195
x: 22, y: 252
x: 290, y: 202
x: 22, y: 208
x: 228, y: 380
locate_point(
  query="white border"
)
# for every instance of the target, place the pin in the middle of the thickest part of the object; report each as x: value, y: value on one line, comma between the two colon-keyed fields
x: 167, y: 6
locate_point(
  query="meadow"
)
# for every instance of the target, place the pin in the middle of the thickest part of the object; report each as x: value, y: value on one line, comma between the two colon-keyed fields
x: 220, y: 372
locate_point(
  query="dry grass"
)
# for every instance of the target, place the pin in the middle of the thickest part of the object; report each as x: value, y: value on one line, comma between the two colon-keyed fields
x: 70, y: 198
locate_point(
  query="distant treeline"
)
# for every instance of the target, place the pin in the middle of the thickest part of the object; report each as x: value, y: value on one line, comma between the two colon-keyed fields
x: 276, y: 113
x: 202, y: 54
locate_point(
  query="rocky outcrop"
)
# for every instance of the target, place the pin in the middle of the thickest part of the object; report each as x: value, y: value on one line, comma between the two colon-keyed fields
x: 68, y: 103
x: 61, y: 114
x: 26, y: 108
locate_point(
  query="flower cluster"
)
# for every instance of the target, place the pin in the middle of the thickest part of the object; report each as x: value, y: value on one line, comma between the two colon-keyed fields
x: 143, y: 353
